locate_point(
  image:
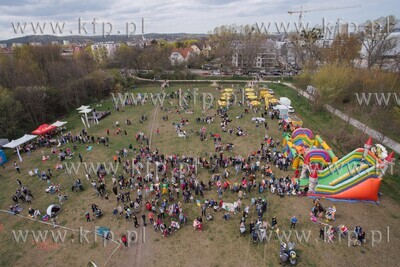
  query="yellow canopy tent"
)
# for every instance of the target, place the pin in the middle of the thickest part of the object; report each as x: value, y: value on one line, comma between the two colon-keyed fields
x: 263, y: 93
x: 252, y: 97
x: 273, y: 101
x: 249, y: 90
x: 255, y: 103
x: 222, y: 103
x: 228, y: 90
x: 268, y: 96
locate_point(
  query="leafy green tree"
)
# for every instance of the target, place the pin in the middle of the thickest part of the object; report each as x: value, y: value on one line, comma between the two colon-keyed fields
x: 12, y: 114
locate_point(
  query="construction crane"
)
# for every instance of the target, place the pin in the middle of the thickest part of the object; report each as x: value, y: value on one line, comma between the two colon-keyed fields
x: 301, y: 11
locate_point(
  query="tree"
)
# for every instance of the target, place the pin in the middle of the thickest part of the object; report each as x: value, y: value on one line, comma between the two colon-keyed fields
x: 12, y: 114
x: 306, y: 49
x: 125, y: 57
x: 242, y: 41
x: 179, y: 44
x: 377, y: 40
x: 344, y: 50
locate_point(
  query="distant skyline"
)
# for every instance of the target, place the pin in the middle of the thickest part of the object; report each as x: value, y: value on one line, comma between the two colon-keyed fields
x: 174, y: 16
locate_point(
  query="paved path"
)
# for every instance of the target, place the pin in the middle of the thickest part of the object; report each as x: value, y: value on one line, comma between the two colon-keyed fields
x: 356, y: 123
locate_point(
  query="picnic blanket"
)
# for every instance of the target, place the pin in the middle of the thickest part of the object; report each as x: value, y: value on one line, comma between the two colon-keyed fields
x: 228, y: 207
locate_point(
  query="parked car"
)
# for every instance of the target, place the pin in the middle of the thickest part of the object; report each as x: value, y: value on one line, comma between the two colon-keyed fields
x: 277, y: 73
x: 271, y: 92
x: 290, y: 109
x: 216, y: 73
x: 206, y: 67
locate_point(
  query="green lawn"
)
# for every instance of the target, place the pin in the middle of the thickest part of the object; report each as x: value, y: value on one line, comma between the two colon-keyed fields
x: 220, y: 243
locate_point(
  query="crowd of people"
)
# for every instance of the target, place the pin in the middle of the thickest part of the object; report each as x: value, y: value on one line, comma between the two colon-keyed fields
x: 159, y: 195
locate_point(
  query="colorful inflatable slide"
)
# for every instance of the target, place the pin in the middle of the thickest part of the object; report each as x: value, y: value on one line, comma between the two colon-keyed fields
x: 302, y: 148
x: 356, y: 176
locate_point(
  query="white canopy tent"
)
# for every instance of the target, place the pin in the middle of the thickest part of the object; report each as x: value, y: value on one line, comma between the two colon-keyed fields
x: 20, y: 141
x: 285, y: 101
x: 283, y: 111
x: 59, y: 123
x: 82, y: 107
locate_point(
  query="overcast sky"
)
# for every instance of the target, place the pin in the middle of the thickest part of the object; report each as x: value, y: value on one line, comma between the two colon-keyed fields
x: 163, y: 16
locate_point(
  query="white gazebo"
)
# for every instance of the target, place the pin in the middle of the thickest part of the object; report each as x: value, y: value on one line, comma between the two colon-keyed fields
x: 86, y: 111
x: 20, y: 141
x: 82, y: 108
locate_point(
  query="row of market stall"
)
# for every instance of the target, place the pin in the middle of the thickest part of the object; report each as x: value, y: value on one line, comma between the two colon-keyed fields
x: 46, y: 129
x: 41, y: 130
x: 250, y: 95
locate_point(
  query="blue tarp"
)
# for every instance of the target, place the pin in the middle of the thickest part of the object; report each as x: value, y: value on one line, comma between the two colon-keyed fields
x: 103, y: 231
x: 3, y: 158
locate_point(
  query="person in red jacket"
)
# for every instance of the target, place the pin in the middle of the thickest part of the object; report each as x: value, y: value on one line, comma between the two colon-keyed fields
x: 124, y: 240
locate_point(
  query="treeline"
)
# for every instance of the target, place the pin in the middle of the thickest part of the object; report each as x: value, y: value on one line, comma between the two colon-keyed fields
x: 38, y: 85
x: 153, y: 61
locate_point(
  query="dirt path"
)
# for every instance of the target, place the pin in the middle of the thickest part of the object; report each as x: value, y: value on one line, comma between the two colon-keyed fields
x: 138, y: 255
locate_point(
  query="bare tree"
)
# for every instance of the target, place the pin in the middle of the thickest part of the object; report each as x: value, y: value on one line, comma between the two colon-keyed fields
x: 343, y: 51
x: 307, y: 52
x: 377, y: 40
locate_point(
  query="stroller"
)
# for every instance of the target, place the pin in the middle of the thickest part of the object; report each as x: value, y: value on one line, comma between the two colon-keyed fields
x: 175, y: 225
x: 242, y: 228
x: 104, y: 232
x: 287, y: 253
x: 98, y: 213
x: 76, y: 186
x: 52, y: 189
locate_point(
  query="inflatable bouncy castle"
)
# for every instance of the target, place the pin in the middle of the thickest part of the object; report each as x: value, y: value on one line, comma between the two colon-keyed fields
x: 356, y: 176
x: 301, y: 147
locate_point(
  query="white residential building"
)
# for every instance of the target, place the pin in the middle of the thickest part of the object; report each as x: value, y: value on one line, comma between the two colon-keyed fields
x: 180, y: 55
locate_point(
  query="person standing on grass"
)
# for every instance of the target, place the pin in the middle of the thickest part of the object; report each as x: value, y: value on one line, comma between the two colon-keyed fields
x: 274, y: 222
x: 87, y: 215
x: 124, y: 240
x: 17, y: 167
x: 28, y: 199
x: 36, y: 214
x: 151, y: 217
x: 322, y: 233
x: 203, y: 209
x: 80, y: 157
x: 144, y: 219
x: 293, y: 222
x: 135, y: 221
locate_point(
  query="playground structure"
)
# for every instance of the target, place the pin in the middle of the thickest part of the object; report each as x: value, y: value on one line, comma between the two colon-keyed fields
x: 302, y: 149
x: 356, y: 176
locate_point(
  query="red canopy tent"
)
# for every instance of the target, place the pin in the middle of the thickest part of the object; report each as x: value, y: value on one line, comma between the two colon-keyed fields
x: 44, y: 128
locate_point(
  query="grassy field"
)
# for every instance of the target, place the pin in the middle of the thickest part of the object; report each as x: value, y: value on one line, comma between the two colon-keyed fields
x: 220, y: 244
